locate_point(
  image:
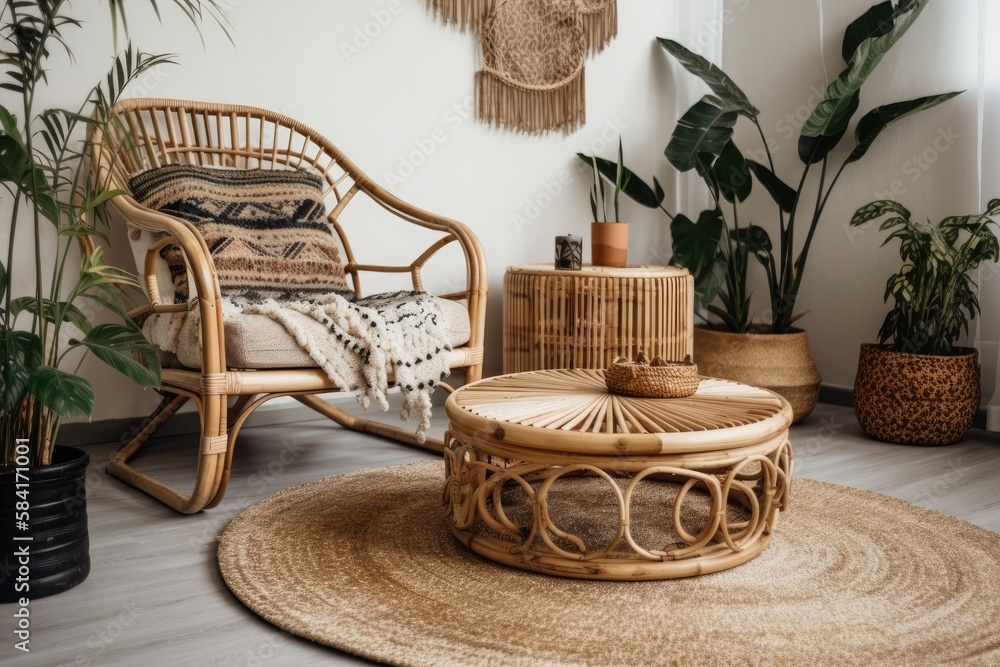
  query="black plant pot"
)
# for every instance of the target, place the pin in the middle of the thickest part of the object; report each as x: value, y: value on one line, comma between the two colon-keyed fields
x: 59, y: 549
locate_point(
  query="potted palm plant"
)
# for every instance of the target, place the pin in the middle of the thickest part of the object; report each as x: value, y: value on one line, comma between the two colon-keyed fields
x: 915, y: 387
x: 716, y: 246
x: 608, y: 238
x: 48, y: 294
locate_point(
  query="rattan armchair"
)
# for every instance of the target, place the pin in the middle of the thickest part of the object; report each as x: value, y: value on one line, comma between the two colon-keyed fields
x: 147, y: 133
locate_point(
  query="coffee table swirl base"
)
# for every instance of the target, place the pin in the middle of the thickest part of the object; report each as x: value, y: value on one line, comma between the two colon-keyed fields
x: 516, y: 436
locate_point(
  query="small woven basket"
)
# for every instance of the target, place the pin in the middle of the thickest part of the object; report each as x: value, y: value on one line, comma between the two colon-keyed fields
x: 658, y: 379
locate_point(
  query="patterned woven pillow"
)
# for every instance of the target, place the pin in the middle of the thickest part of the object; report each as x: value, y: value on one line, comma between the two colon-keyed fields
x: 266, y: 230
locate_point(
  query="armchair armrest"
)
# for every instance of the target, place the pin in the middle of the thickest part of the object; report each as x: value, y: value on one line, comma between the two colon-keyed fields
x: 199, y: 261
x: 475, y: 257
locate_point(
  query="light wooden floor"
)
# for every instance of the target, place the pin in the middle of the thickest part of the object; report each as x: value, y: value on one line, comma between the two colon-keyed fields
x: 155, y: 596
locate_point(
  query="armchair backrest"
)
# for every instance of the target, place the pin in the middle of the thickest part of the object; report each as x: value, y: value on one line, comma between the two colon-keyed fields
x: 148, y: 133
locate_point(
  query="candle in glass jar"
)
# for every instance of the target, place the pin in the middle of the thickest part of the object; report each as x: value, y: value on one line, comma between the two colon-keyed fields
x: 569, y: 252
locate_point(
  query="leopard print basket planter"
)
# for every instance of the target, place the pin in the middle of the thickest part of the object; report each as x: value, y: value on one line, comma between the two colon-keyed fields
x: 916, y: 399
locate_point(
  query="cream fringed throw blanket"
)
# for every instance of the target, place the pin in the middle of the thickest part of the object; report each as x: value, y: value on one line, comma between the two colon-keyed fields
x: 355, y: 342
x: 398, y: 330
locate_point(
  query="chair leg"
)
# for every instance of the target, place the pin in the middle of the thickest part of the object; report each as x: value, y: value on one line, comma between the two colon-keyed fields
x: 214, y: 466
x: 210, y: 469
x: 362, y: 425
x: 238, y: 416
x: 473, y: 373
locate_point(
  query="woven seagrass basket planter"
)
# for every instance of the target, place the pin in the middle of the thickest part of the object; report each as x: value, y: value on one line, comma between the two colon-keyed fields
x: 916, y: 399
x: 782, y: 363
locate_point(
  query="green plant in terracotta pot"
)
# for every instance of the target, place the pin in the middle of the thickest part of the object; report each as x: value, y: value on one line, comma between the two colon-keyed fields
x: 608, y: 238
x: 49, y: 296
x: 717, y: 245
x: 915, y: 387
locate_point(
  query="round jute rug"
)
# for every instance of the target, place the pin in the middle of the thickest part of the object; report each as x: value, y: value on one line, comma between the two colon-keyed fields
x: 364, y: 563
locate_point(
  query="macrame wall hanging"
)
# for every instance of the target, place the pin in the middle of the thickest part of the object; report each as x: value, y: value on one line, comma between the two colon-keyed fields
x: 533, y: 57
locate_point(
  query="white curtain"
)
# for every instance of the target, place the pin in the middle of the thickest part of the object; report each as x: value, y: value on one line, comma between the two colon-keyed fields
x: 700, y: 27
x: 989, y: 188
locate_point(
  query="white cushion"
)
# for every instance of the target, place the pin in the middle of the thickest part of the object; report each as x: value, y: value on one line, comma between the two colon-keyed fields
x: 257, y: 341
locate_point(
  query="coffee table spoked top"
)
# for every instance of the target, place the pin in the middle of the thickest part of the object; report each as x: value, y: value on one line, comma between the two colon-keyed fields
x: 573, y: 411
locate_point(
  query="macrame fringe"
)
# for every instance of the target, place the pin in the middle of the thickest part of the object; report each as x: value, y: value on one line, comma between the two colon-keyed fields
x: 464, y: 14
x: 600, y: 27
x: 534, y: 111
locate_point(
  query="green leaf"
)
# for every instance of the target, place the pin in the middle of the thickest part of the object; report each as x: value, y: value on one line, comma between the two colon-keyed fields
x: 112, y: 305
x: 715, y: 78
x: 756, y: 239
x: 727, y: 319
x: 9, y: 125
x: 889, y: 223
x: 633, y: 186
x: 708, y: 284
x: 66, y: 395
x: 695, y: 246
x: 782, y: 194
x: 113, y: 344
x: 876, y: 120
x: 877, y: 209
x: 705, y: 128
x: 101, y: 198
x: 814, y: 149
x: 21, y: 356
x: 703, y: 165
x: 13, y: 160
x: 79, y: 229
x: 52, y: 310
x: 16, y: 167
x: 829, y: 118
x: 732, y: 174
x: 39, y: 191
x: 875, y: 22
x: 958, y: 222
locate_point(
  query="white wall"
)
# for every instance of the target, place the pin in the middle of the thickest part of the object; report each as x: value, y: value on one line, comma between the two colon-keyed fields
x: 383, y: 102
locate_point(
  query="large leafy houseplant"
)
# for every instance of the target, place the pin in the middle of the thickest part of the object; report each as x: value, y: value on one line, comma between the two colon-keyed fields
x: 717, y: 246
x: 933, y: 293
x: 52, y: 198
x: 916, y: 387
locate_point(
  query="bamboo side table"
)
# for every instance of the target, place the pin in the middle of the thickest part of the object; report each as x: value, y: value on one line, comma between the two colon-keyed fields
x: 515, y: 442
x: 584, y: 319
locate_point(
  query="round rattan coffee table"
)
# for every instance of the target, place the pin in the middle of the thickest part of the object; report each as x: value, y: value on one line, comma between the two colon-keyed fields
x: 518, y: 434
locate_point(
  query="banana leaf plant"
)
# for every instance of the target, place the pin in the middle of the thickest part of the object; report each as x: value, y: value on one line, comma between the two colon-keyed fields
x: 52, y: 200
x: 703, y: 141
x: 933, y: 293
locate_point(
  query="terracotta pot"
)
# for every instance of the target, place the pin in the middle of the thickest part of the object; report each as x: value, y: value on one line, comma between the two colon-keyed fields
x: 916, y: 399
x: 781, y: 363
x: 609, y: 243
